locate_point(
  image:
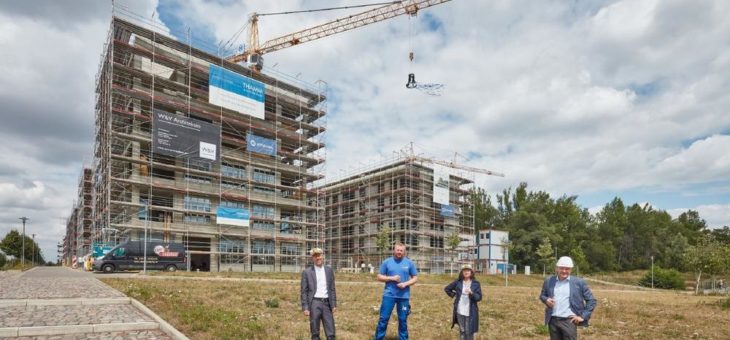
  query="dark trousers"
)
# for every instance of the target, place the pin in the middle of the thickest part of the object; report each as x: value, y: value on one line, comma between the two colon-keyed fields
x: 386, y: 308
x: 562, y: 329
x: 464, y: 327
x: 320, y: 310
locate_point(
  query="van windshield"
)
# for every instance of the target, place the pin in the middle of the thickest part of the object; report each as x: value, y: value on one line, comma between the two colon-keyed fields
x: 119, y: 252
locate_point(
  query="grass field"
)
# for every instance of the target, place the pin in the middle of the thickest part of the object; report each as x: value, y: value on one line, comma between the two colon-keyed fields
x: 266, y: 306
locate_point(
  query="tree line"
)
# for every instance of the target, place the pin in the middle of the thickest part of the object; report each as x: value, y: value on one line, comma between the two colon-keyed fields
x: 12, y: 245
x: 616, y: 238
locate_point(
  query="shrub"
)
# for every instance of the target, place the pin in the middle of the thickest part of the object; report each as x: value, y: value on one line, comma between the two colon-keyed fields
x: 663, y: 278
x: 272, y: 303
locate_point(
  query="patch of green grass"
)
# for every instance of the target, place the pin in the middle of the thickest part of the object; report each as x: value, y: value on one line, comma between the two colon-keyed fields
x: 724, y: 304
x: 542, y: 329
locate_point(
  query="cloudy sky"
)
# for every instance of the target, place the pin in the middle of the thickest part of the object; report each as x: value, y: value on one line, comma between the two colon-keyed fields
x: 590, y: 98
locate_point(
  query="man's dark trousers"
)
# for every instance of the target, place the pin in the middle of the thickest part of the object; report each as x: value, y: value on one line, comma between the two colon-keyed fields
x: 562, y: 329
x: 320, y: 310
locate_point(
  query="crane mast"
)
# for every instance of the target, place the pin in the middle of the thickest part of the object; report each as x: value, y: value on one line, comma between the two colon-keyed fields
x: 255, y: 50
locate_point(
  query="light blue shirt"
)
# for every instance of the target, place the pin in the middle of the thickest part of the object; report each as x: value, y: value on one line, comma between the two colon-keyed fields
x: 562, y: 299
x: 403, y: 268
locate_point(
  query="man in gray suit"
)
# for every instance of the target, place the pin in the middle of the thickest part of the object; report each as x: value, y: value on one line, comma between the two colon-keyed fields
x: 319, y: 298
x: 568, y: 302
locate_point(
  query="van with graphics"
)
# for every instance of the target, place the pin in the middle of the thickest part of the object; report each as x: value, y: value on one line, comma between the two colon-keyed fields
x: 130, y: 256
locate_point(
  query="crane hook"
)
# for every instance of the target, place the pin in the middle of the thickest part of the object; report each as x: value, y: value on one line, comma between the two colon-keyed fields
x: 411, y: 81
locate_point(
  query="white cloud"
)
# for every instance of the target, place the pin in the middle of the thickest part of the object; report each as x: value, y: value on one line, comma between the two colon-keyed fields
x: 572, y: 97
x: 716, y: 215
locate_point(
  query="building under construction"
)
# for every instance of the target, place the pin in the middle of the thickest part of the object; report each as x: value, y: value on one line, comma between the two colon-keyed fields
x: 420, y: 202
x: 194, y: 149
x: 78, y: 238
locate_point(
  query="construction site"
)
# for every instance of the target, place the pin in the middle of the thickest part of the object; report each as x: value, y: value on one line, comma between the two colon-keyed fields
x: 212, y: 152
x: 418, y: 201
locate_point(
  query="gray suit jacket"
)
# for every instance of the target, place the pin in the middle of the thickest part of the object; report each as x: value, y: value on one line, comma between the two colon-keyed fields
x: 309, y: 286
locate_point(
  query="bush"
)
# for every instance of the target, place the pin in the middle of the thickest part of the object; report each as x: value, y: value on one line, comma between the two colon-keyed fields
x: 3, y: 260
x: 272, y: 303
x: 663, y: 278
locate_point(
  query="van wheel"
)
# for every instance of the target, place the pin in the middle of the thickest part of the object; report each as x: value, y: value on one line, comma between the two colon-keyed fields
x: 171, y: 268
x: 107, y: 268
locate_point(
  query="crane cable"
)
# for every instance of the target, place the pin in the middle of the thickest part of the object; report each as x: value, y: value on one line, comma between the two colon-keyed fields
x: 411, y: 76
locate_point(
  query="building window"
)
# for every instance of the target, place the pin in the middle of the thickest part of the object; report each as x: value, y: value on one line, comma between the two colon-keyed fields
x: 409, y: 240
x: 233, y: 204
x: 264, y: 176
x: 197, y: 203
x: 235, y: 171
x: 198, y: 179
x: 262, y: 247
x: 437, y: 242
x: 263, y: 211
x: 262, y: 190
x: 233, y: 186
x: 232, y: 245
x: 263, y: 260
x: 199, y: 164
x: 196, y: 219
x: 291, y: 249
x: 261, y: 225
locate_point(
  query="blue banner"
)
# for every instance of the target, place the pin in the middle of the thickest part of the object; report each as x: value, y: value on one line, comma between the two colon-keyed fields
x: 236, y: 92
x: 447, y: 210
x: 260, y: 145
x: 234, y: 216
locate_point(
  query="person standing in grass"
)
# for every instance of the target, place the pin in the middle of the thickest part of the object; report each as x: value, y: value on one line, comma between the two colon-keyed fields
x: 466, y: 292
x: 568, y: 300
x: 318, y: 294
x: 399, y: 274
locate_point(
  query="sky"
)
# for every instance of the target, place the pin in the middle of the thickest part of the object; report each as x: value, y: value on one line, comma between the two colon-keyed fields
x: 597, y: 99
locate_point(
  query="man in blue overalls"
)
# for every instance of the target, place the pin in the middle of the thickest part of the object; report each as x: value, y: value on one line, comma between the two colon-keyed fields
x: 398, y: 273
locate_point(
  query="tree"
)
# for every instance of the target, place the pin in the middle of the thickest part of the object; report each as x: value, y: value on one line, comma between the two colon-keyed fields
x: 707, y: 256
x: 453, y: 240
x: 722, y: 235
x: 12, y: 245
x: 3, y: 260
x: 480, y: 208
x: 382, y: 240
x: 579, y: 258
x: 545, y: 254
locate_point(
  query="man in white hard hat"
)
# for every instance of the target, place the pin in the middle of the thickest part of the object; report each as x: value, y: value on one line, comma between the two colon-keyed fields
x: 568, y: 300
x: 319, y: 296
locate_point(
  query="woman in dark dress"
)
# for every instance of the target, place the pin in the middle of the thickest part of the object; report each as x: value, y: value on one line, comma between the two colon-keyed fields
x: 466, y: 292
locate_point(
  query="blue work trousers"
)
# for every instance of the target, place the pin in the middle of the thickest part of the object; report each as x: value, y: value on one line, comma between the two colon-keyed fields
x: 386, y: 308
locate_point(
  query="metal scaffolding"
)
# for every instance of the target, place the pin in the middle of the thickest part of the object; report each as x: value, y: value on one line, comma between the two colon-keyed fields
x: 395, y: 196
x: 140, y: 194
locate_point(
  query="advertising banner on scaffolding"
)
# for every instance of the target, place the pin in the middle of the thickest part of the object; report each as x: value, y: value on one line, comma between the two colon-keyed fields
x: 260, y: 145
x: 236, y: 92
x: 179, y: 136
x: 233, y: 216
x: 440, y: 184
x: 447, y: 210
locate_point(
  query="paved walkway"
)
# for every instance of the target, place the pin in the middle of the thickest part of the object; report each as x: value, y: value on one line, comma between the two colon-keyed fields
x: 62, y: 303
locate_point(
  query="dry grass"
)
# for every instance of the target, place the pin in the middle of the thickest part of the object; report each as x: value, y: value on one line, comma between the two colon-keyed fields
x: 257, y: 307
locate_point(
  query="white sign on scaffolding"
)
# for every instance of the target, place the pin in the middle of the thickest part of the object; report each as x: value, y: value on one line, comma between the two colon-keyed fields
x: 440, y: 184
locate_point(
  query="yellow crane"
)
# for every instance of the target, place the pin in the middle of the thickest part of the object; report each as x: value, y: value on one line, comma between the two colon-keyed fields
x: 255, y: 50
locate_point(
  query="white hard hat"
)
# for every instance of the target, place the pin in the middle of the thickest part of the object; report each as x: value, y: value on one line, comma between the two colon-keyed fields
x: 565, y: 261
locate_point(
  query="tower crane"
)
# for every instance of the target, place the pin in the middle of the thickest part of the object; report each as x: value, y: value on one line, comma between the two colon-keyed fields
x: 255, y: 50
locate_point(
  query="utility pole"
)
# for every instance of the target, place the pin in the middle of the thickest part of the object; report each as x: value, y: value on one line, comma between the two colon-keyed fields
x: 22, y: 257
x: 652, y: 272
x: 33, y: 262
